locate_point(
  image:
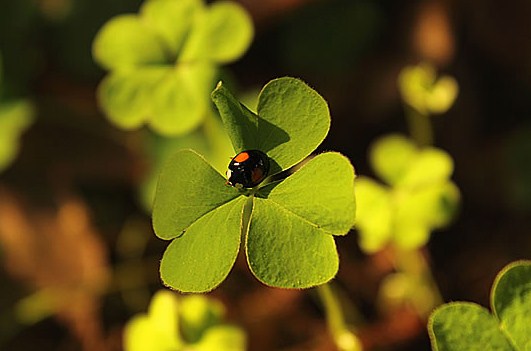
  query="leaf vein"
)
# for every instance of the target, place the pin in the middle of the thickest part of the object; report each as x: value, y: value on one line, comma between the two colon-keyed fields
x: 298, y: 216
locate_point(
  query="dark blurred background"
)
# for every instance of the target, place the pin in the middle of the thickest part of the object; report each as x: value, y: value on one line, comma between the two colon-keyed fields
x: 73, y: 231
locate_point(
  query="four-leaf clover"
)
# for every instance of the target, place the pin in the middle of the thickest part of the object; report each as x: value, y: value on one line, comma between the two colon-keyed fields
x: 287, y: 226
x: 419, y: 197
x: 163, y: 61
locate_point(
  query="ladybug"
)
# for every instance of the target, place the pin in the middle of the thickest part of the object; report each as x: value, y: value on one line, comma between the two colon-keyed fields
x: 247, y: 169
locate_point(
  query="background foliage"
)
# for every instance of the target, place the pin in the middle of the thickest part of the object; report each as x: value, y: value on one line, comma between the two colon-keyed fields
x: 77, y: 252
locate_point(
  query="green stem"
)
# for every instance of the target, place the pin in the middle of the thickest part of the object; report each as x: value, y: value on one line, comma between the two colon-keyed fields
x: 344, y: 339
x: 420, y: 127
x: 414, y: 264
x: 246, y: 217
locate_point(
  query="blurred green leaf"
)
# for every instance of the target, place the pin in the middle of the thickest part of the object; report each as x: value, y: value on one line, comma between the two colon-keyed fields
x: 420, y: 210
x: 398, y: 161
x: 36, y: 307
x: 172, y: 100
x: 170, y: 315
x: 158, y: 330
x: 421, y: 89
x: 406, y: 289
x: 198, y: 314
x: 440, y: 203
x: 411, y: 227
x: 163, y: 313
x: 443, y: 95
x: 15, y: 117
x: 125, y: 42
x: 221, y: 34
x: 171, y: 19
x: 164, y: 61
x: 126, y: 96
x: 181, y: 100
x: 374, y: 214
x: 511, y: 302
x: 421, y: 197
x: 222, y: 338
x: 391, y: 156
x: 430, y: 166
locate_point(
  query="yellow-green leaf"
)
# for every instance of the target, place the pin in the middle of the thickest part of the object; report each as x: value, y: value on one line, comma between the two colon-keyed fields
x: 201, y: 258
x: 15, y: 117
x: 158, y: 329
x: 188, y: 189
x: 221, y: 33
x: 286, y: 251
x: 125, y: 96
x: 125, y: 42
x: 391, y: 157
x: 171, y: 19
x: 374, y: 214
x: 463, y: 326
x: 321, y: 192
x: 511, y: 302
x: 181, y: 100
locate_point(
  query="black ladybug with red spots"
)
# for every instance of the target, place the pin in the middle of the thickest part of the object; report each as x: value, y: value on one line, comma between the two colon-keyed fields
x: 248, y: 169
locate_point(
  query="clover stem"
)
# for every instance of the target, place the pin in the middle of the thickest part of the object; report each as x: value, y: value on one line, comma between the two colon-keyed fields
x: 414, y: 264
x: 246, y: 217
x: 344, y: 339
x: 420, y: 126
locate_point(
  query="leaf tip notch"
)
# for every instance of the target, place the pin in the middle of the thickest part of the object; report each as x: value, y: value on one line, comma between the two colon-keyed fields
x: 219, y: 85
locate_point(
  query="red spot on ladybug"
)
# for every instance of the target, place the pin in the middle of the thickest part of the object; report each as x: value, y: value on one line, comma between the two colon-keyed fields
x: 241, y: 157
x: 248, y: 169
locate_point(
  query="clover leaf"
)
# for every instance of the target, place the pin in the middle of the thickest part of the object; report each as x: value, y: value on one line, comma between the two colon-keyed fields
x: 210, y: 140
x: 287, y: 225
x: 293, y: 120
x: 163, y: 61
x: 182, y: 323
x: 424, y: 92
x: 419, y: 195
x: 15, y: 117
x: 460, y: 326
